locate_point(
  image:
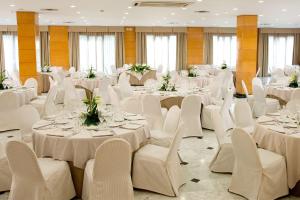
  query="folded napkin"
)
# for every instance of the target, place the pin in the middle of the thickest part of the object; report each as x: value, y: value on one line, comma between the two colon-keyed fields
x: 59, y: 133
x: 41, y: 124
x: 274, y: 114
x: 278, y: 129
x: 132, y: 126
x: 264, y: 119
x: 102, y: 133
x: 134, y: 118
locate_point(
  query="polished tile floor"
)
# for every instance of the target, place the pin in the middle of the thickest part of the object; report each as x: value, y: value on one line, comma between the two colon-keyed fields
x: 211, y: 186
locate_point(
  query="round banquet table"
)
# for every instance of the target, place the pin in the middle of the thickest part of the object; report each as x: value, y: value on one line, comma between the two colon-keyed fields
x: 286, y: 143
x: 200, y: 81
x: 139, y: 79
x: 282, y: 92
x: 77, y: 147
x: 25, y: 95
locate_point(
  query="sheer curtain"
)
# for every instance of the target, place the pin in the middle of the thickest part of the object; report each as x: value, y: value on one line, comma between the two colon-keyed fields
x: 161, y: 51
x: 97, y: 51
x: 280, y: 51
x: 11, y: 55
x: 224, y: 50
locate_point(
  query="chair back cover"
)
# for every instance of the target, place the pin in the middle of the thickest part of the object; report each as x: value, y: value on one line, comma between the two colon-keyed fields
x: 296, y: 94
x: 243, y: 114
x: 245, y: 150
x: 225, y: 109
x: 112, y: 171
x: 32, y: 83
x: 172, y: 119
x: 8, y: 101
x: 71, y: 98
x: 259, y: 105
x: 132, y: 105
x: 152, y: 111
x: 27, y: 116
x: 27, y: 175
x: 172, y: 155
x: 105, y: 82
x: 245, y: 88
x: 190, y: 116
x: 114, y: 99
x: 219, y: 127
x: 50, y: 107
x: 51, y: 81
x: 124, y: 85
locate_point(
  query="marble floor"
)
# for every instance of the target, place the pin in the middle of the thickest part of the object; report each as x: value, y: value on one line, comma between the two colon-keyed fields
x: 211, y: 186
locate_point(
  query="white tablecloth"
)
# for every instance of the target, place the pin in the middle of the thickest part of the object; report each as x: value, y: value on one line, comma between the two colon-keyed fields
x: 81, y: 147
x: 87, y: 83
x: 25, y: 95
x: 283, y: 93
x: 285, y: 144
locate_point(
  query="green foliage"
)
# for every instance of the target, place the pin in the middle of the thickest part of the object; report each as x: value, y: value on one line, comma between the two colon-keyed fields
x: 91, y: 74
x: 45, y: 69
x: 192, y: 73
x: 224, y: 66
x: 91, y: 116
x: 2, y: 79
x: 141, y: 69
x: 166, y: 86
x: 294, y: 81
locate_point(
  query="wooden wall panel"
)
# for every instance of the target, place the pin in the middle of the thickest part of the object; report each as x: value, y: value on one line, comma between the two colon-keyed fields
x: 28, y: 35
x: 130, y: 45
x: 247, y: 38
x: 195, y: 45
x: 59, y: 46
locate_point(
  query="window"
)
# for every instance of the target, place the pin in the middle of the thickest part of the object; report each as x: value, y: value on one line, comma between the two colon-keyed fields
x: 161, y: 52
x: 224, y: 50
x: 280, y: 52
x: 11, y: 55
x: 97, y: 51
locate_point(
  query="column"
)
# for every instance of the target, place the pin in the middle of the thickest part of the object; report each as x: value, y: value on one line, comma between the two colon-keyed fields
x: 195, y: 45
x: 130, y: 45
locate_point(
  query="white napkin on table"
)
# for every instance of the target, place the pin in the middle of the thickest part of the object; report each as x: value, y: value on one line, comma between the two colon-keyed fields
x: 264, y: 119
x: 102, y: 133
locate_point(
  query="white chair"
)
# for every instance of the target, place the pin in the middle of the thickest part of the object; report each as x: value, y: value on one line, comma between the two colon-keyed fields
x: 114, y: 98
x: 190, y: 116
x: 73, y: 97
x: 296, y: 94
x: 258, y: 173
x: 32, y: 83
x: 250, y: 98
x: 243, y: 116
x: 5, y: 173
x: 124, y: 85
x: 132, y: 105
x: 9, y: 101
x: 27, y: 116
x: 108, y: 175
x: 223, y: 160
x: 158, y: 169
x: 206, y: 115
x: 152, y: 111
x: 37, y: 178
x: 163, y: 137
x: 102, y: 90
x: 261, y: 104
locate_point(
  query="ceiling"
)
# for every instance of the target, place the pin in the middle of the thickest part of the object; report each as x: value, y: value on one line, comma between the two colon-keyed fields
x: 273, y: 13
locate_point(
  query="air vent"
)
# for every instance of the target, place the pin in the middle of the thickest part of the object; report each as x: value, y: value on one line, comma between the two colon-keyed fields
x: 67, y: 22
x: 165, y: 3
x: 266, y: 24
x: 49, y: 9
x: 202, y: 11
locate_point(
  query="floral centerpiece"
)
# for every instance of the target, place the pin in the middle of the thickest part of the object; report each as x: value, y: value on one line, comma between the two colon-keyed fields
x: 192, y: 72
x: 139, y: 69
x: 91, y: 116
x: 166, y: 84
x: 46, y: 69
x: 294, y: 81
x: 2, y: 79
x: 224, y: 65
x: 91, y: 73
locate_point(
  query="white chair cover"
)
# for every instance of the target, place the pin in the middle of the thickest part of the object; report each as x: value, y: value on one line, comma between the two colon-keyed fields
x: 37, y: 179
x: 50, y: 107
x: 8, y: 101
x: 165, y: 136
x: 190, y: 116
x: 114, y: 99
x: 296, y: 94
x: 249, y: 97
x: 71, y: 99
x: 27, y: 116
x: 158, y: 168
x: 124, y: 85
x: 152, y: 111
x: 225, y: 109
x: 258, y: 173
x: 243, y: 115
x: 223, y: 160
x: 108, y: 175
x: 132, y: 105
x: 103, y: 91
x: 32, y: 83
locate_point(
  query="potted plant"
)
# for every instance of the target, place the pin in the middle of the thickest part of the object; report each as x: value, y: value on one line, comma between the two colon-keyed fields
x: 294, y: 81
x: 91, y: 116
x: 224, y: 65
x: 192, y: 72
x: 166, y: 85
x: 91, y: 74
x: 138, y: 68
x: 2, y: 79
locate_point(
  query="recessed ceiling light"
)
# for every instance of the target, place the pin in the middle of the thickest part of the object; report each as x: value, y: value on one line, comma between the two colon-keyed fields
x: 12, y: 5
x: 284, y: 10
x: 217, y: 14
x: 72, y: 6
x: 172, y: 13
x: 235, y: 9
x: 129, y: 7
x: 183, y: 8
x: 261, y: 15
x: 126, y: 13
x: 78, y: 12
x: 199, y: 0
x: 261, y: 1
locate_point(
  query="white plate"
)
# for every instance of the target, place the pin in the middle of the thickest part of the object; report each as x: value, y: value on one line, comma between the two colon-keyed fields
x: 131, y: 126
x: 61, y: 121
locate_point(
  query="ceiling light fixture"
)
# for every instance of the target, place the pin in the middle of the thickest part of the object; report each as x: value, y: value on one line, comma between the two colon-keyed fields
x: 235, y: 9
x: 172, y: 13
x: 284, y: 10
x: 129, y: 7
x: 261, y: 15
x: 199, y: 0
x: 126, y: 13
x: 261, y: 1
x: 183, y: 8
x: 72, y: 6
x: 78, y: 12
x: 217, y: 14
x: 12, y: 5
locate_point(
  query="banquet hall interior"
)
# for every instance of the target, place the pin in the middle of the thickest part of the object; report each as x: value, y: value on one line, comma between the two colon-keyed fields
x: 149, y: 99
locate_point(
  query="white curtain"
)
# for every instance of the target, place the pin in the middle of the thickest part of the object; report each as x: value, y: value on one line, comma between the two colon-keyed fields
x: 224, y: 50
x: 280, y: 52
x: 97, y: 51
x: 161, y: 51
x: 11, y: 55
